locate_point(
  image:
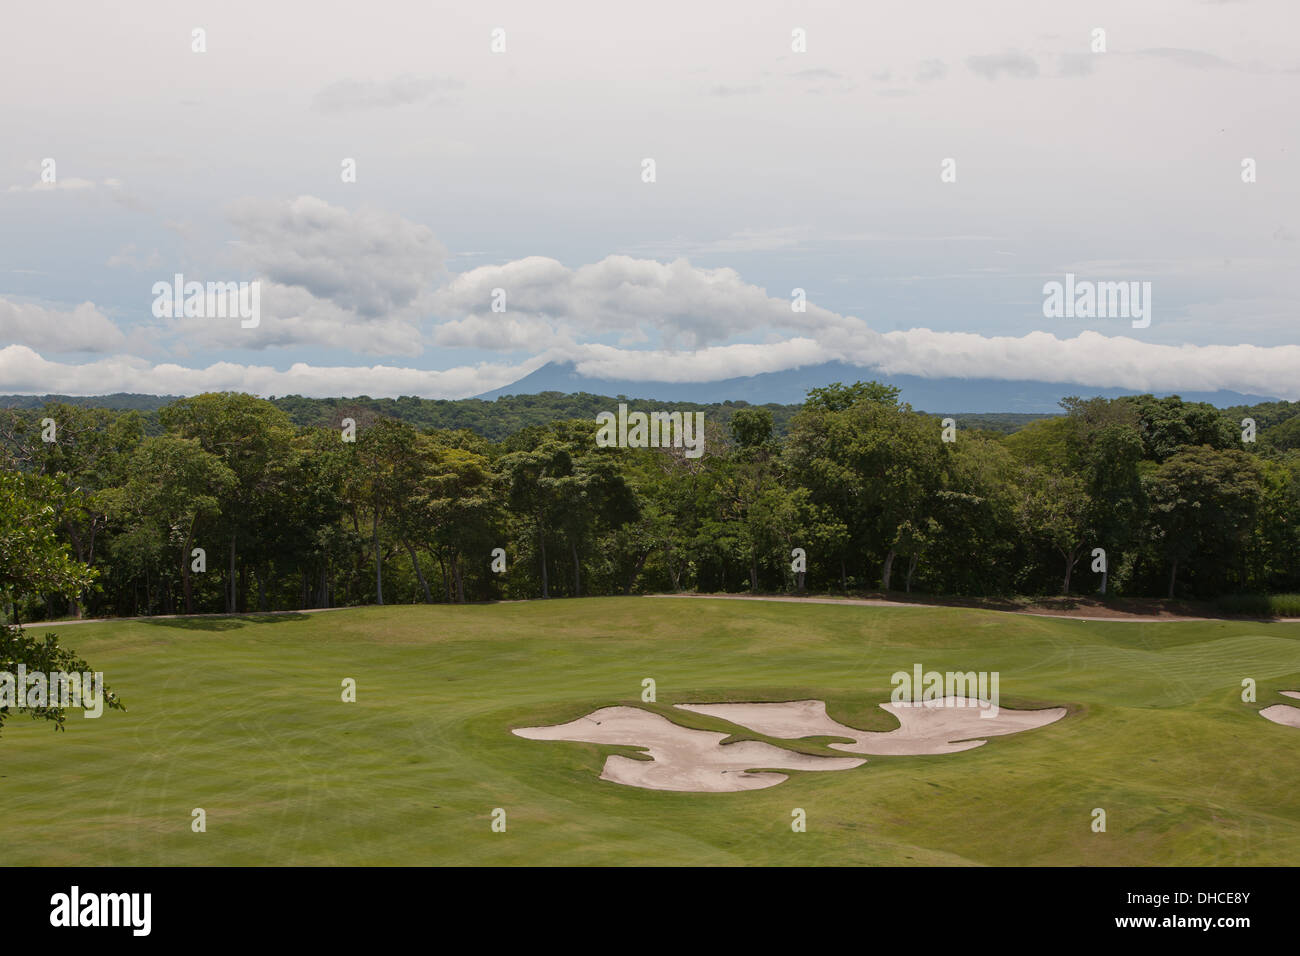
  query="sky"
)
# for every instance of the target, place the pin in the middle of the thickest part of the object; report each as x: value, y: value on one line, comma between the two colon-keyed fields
x: 919, y: 169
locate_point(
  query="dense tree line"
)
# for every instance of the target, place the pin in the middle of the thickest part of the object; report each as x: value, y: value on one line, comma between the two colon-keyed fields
x: 495, y: 419
x: 227, y: 504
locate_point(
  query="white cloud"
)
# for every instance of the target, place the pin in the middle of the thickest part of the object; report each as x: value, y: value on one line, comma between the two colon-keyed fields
x: 701, y: 365
x: 24, y: 371
x: 82, y: 329
x: 367, y: 261
x: 690, y: 306
x: 292, y: 316
x: 74, y: 184
x: 71, y: 184
x: 1194, y: 59
x: 348, y: 96
x: 931, y: 70
x: 991, y: 66
x: 358, y: 280
x: 501, y: 332
x: 1088, y: 359
x: 766, y: 239
x: 129, y: 257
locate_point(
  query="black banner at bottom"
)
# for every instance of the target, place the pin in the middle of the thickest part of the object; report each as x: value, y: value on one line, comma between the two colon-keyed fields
x: 912, y: 905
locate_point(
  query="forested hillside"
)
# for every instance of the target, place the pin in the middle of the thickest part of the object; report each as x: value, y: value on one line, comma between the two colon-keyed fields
x: 226, y: 502
x: 492, y: 419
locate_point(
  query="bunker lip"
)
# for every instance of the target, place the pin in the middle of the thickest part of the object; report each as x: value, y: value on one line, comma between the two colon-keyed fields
x: 946, y: 725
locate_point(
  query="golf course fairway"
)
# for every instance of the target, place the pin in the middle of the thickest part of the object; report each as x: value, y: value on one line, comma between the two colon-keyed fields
x: 244, y: 718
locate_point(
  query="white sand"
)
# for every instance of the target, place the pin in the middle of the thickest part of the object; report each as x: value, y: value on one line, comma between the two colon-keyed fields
x: 934, y: 727
x: 1283, y: 714
x: 684, y: 759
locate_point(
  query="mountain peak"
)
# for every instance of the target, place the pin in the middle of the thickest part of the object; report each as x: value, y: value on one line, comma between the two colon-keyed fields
x: 790, y: 387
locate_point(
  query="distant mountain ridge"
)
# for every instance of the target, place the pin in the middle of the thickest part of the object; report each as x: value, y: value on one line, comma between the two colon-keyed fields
x: 790, y: 387
x: 567, y: 393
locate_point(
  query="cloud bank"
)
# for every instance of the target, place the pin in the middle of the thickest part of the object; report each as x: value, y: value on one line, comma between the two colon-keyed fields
x: 1088, y: 359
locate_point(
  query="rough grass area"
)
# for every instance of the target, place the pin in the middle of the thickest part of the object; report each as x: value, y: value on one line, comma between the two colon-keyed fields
x: 1261, y: 605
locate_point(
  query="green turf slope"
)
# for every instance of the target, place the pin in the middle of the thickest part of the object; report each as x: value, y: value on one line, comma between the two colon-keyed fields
x: 242, y: 717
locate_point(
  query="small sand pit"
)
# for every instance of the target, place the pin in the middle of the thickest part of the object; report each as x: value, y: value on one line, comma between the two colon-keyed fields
x: 942, y: 726
x: 683, y: 759
x: 1283, y: 714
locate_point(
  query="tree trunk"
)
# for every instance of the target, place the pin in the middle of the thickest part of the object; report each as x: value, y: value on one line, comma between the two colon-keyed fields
x: 415, y: 563
x: 232, y: 593
x: 379, y: 561
x: 888, y: 571
x: 1070, y: 559
x: 185, y: 574
x: 74, y: 602
x: 753, y: 572
x: 446, y: 576
x: 636, y: 573
x: 844, y: 577
x: 911, y: 569
x: 458, y: 574
x: 1173, y: 576
x: 577, y: 570
x: 90, y: 558
x: 541, y: 539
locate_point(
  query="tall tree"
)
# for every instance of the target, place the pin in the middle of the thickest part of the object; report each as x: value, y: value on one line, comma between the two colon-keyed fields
x: 175, y: 485
x: 254, y: 439
x: 1203, y: 502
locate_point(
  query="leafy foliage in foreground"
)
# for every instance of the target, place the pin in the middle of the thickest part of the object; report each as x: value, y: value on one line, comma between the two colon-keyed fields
x: 46, y: 656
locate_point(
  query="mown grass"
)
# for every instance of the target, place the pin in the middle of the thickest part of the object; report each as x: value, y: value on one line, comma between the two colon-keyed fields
x: 243, y: 717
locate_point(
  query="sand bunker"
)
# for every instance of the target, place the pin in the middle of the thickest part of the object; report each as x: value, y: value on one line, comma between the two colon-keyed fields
x: 1283, y: 714
x: 684, y: 759
x: 942, y: 726
x: 697, y: 760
